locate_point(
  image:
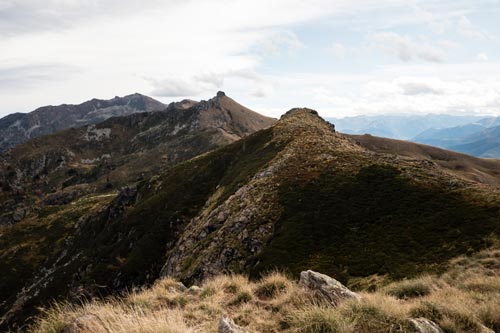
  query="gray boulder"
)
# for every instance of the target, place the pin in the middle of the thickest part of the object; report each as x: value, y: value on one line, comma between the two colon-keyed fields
x: 424, y: 325
x: 227, y: 325
x: 326, y: 288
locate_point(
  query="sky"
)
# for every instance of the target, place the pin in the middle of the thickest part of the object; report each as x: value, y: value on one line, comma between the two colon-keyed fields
x: 340, y: 57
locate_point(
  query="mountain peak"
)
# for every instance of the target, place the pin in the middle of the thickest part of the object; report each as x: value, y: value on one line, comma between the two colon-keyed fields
x: 300, y: 112
x: 298, y: 117
x: 221, y: 94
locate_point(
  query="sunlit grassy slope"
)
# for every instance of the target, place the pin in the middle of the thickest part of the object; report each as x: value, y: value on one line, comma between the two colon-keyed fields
x: 464, y: 299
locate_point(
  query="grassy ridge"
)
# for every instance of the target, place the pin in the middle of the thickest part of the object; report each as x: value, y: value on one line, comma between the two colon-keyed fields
x: 182, y: 192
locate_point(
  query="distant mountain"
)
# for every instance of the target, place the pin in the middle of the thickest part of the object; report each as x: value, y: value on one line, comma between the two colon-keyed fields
x: 399, y: 126
x: 472, y: 135
x: 294, y: 196
x: 448, y: 137
x: 485, y: 143
x: 20, y: 127
x: 480, y: 138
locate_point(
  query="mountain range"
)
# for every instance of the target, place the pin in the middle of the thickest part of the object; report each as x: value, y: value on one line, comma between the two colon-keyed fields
x: 121, y: 150
x: 480, y: 139
x: 205, y: 188
x: 473, y: 135
x: 19, y: 127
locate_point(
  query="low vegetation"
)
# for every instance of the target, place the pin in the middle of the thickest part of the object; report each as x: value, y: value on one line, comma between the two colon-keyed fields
x: 375, y: 221
x: 465, y: 299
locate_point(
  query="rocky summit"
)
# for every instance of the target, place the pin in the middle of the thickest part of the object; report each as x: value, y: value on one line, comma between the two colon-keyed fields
x: 295, y: 196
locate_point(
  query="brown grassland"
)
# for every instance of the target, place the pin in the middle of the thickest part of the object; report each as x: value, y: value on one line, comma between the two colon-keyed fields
x: 464, y: 299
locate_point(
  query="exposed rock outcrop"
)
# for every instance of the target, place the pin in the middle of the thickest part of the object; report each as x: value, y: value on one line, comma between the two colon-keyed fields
x: 326, y: 288
x: 424, y: 325
x: 227, y: 325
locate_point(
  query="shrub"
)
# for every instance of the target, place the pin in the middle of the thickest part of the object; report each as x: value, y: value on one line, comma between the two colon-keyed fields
x: 231, y: 288
x: 207, y: 292
x: 318, y: 319
x: 375, y: 318
x: 427, y: 310
x: 457, y: 322
x: 489, y: 314
x: 271, y: 286
x: 241, y: 297
x: 410, y: 288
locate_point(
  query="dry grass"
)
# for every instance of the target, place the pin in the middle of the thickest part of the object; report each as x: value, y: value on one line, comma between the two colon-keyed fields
x: 462, y: 300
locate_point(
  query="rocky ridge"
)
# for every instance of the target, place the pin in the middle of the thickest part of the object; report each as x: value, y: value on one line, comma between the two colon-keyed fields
x: 20, y: 127
x: 119, y: 151
x: 232, y: 235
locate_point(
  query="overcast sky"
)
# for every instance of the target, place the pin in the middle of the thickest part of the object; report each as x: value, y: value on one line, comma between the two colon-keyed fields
x: 341, y: 57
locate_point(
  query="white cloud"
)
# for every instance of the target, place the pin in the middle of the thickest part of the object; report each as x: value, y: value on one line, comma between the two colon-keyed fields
x: 469, y: 30
x: 338, y: 50
x: 181, y: 87
x: 422, y: 95
x: 412, y: 88
x: 482, y: 57
x: 407, y: 49
x: 278, y: 42
x: 262, y: 52
x: 22, y: 77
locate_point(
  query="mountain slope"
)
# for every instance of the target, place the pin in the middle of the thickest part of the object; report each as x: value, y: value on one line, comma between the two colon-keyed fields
x: 470, y: 168
x: 119, y: 151
x: 57, y: 192
x: 326, y: 203
x: 20, y: 127
x: 294, y: 196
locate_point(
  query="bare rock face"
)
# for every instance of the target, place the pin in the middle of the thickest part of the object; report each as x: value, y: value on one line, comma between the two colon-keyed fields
x: 227, y: 325
x: 423, y: 325
x: 86, y: 323
x: 326, y: 287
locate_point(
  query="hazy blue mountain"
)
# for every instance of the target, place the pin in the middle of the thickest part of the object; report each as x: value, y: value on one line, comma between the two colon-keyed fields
x: 481, y: 138
x: 399, y: 126
x: 485, y: 143
x: 448, y: 137
x: 474, y: 135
